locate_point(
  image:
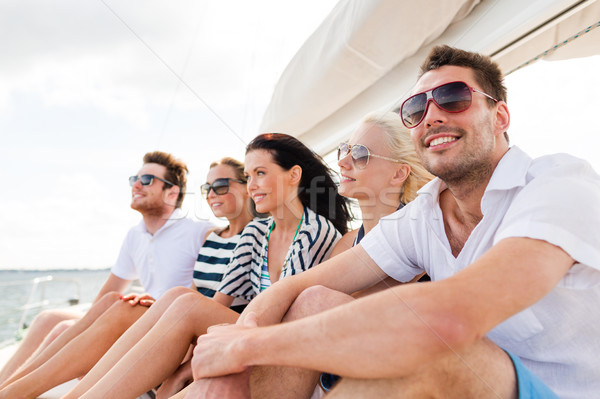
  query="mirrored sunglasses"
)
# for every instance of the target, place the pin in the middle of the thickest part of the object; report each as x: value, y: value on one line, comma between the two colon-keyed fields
x: 146, y: 180
x: 451, y: 97
x: 359, y: 153
x: 219, y: 186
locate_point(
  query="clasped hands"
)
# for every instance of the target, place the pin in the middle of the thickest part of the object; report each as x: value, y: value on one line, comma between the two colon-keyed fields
x: 221, y: 351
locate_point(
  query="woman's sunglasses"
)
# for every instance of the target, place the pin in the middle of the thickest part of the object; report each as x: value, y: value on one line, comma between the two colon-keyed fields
x: 359, y: 153
x: 147, y: 180
x: 451, y: 97
x: 219, y: 186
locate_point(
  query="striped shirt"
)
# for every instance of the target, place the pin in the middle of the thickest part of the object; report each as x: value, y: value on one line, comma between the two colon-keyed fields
x: 212, y: 261
x: 313, y: 244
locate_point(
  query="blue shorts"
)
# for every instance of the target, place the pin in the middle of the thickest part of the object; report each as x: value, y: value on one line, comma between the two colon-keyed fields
x: 530, y: 386
x: 327, y: 381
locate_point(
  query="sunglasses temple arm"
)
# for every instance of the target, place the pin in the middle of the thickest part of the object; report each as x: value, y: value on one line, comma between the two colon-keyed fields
x: 485, y: 94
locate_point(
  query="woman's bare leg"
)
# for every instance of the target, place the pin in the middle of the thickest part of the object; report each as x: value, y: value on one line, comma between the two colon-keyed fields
x: 54, y: 346
x: 38, y: 331
x: 157, y: 354
x: 79, y: 355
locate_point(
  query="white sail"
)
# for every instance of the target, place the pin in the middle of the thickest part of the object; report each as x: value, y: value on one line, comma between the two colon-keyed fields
x: 365, y: 55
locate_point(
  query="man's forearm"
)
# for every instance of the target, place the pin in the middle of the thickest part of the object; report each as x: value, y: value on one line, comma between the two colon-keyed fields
x: 271, y: 305
x: 385, y: 343
x: 348, y: 272
x: 390, y: 333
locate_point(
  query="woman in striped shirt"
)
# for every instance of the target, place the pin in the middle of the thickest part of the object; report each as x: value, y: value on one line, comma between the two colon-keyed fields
x: 307, y: 217
x: 227, y: 197
x: 288, y: 181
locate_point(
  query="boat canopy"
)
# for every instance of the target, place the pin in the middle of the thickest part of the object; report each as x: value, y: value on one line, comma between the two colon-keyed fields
x: 366, y: 54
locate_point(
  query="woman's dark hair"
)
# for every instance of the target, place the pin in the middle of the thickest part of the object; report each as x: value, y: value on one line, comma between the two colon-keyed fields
x: 317, y: 189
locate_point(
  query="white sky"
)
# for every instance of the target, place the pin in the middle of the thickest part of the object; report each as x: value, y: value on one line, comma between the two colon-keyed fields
x: 82, y: 99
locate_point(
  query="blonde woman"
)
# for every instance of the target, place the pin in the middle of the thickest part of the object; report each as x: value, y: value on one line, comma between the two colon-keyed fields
x: 380, y: 169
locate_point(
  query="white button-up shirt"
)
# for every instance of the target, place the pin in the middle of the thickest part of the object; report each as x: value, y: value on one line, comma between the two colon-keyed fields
x: 163, y: 260
x: 553, y: 198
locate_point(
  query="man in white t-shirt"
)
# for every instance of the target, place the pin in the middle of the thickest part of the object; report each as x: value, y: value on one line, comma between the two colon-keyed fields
x: 512, y: 246
x: 160, y: 252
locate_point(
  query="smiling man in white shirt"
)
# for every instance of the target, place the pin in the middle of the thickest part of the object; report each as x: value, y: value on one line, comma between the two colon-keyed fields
x: 512, y: 246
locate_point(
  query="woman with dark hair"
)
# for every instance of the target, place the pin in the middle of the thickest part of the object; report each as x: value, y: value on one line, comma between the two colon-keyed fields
x: 290, y: 183
x: 288, y: 151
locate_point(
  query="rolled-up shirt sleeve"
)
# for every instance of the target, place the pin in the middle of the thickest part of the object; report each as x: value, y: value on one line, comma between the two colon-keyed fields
x: 562, y: 207
x: 390, y: 244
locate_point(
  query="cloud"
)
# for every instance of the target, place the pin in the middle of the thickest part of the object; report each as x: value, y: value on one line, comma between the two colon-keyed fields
x: 87, y: 88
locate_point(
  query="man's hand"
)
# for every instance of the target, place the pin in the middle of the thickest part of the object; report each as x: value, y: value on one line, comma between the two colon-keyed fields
x: 142, y: 299
x: 216, y: 354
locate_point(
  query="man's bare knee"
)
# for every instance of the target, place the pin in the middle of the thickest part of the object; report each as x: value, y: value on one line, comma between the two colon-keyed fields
x: 109, y: 298
x: 315, y: 299
x: 48, y: 319
x: 121, y: 313
x: 100, y: 306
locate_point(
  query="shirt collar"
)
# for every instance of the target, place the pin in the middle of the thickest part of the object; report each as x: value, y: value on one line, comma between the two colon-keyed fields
x: 175, y: 216
x: 511, y: 171
x: 306, y: 219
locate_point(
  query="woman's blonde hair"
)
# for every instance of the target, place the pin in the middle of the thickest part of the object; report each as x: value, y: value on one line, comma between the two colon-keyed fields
x: 401, y: 147
x: 237, y: 166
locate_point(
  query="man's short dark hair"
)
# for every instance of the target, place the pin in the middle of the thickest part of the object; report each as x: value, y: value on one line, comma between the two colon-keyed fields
x: 176, y: 171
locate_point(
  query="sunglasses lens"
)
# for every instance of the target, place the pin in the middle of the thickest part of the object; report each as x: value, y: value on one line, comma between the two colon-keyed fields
x: 413, y: 109
x: 146, y: 180
x: 132, y: 180
x: 219, y: 186
x: 342, y: 151
x: 220, y: 190
x: 453, y: 97
x: 360, y: 156
x: 204, y: 189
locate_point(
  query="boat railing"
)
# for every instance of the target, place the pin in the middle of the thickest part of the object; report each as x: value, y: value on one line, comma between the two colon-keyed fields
x: 37, y: 297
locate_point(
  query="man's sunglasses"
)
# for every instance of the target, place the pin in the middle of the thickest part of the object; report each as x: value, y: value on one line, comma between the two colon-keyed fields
x: 219, y: 186
x: 359, y: 153
x: 147, y: 180
x: 451, y: 97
